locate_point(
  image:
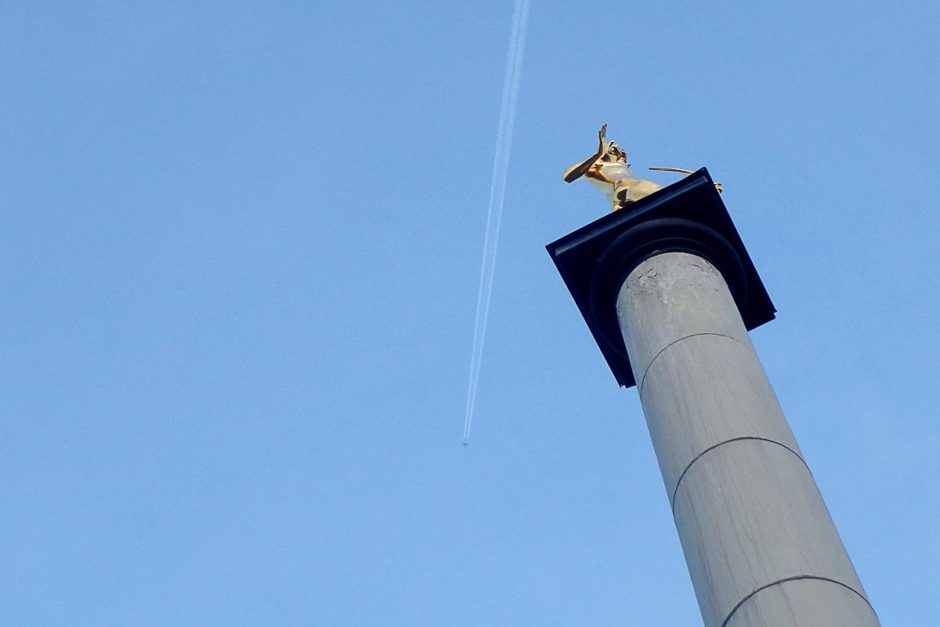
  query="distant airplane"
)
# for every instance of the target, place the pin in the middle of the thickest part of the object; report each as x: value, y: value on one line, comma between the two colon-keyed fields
x: 466, y: 443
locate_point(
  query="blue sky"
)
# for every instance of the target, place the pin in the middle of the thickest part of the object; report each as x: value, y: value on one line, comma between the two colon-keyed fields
x: 240, y: 248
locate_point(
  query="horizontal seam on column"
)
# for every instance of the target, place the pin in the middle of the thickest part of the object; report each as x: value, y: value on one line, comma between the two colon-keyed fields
x: 724, y: 623
x: 671, y: 344
x: 675, y: 490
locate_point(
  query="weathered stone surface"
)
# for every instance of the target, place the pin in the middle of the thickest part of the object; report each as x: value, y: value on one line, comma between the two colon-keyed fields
x: 760, y: 544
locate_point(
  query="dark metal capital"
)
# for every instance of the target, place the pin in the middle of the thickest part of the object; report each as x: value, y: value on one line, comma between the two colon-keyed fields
x: 687, y: 216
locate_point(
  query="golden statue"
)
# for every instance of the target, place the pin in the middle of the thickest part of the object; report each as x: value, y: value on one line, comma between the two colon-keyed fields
x: 609, y: 171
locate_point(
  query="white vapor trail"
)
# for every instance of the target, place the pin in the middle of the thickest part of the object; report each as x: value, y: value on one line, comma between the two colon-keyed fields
x: 494, y: 217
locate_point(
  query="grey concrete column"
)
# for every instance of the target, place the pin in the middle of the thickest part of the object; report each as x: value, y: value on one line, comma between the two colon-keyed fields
x: 760, y: 545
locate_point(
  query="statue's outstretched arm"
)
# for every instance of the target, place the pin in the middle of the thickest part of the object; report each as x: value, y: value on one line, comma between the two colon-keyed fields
x: 580, y: 169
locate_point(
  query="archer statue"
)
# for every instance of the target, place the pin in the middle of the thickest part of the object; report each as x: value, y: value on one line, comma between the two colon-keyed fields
x: 609, y: 171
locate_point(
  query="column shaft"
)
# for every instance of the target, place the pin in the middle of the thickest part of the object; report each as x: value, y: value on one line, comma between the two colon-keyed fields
x: 760, y: 545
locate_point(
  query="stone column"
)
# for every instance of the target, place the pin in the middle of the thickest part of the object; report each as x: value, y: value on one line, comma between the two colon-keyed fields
x: 759, y: 542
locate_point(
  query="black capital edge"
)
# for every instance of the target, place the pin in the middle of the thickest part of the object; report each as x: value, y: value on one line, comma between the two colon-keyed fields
x: 688, y: 216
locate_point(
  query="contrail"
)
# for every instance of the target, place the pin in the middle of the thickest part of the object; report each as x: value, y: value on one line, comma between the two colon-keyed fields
x: 494, y: 216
